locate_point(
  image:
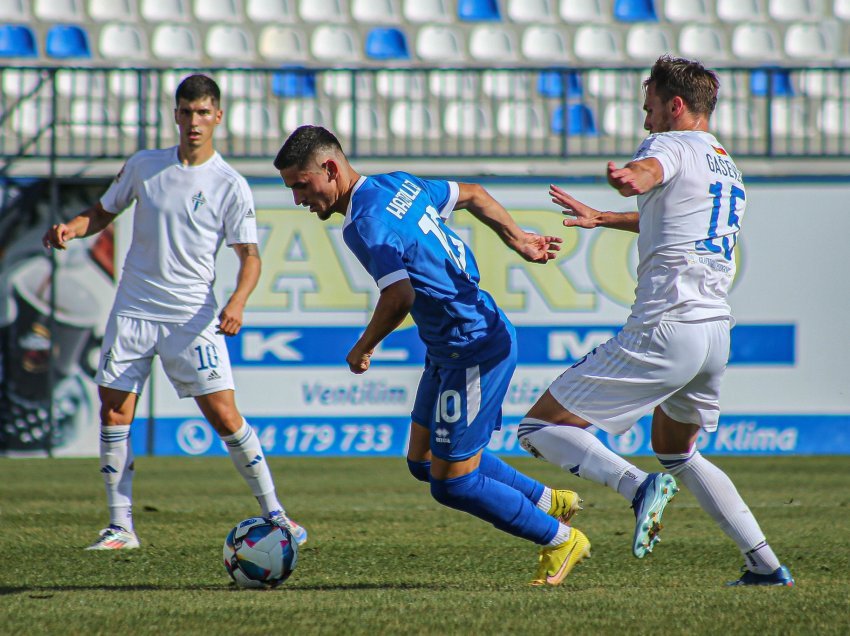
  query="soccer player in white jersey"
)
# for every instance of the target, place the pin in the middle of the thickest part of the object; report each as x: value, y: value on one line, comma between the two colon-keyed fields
x: 671, y: 355
x: 188, y: 201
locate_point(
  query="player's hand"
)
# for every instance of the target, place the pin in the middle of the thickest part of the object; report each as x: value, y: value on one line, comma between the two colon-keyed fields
x: 358, y: 361
x: 57, y: 236
x: 230, y: 319
x: 585, y: 216
x: 538, y: 249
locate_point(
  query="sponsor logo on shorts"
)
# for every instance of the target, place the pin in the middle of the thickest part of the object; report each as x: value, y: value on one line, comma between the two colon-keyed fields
x: 107, y: 358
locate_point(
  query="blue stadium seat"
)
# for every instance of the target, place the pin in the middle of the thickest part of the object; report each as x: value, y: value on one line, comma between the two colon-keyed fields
x: 559, y: 83
x: 67, y: 40
x: 386, y: 43
x: 478, y: 10
x: 17, y: 40
x: 294, y: 81
x: 635, y: 11
x: 577, y: 119
x: 777, y: 82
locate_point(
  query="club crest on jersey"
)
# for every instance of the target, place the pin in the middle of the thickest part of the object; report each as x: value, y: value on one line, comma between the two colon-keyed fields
x: 199, y: 200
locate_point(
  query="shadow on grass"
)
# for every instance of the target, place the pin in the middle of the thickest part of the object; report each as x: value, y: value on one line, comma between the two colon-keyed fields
x: 38, y: 592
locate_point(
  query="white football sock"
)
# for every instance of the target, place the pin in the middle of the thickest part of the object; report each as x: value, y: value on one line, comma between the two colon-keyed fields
x: 545, y: 501
x: 249, y: 459
x: 561, y: 536
x: 117, y: 468
x: 718, y: 496
x: 581, y: 453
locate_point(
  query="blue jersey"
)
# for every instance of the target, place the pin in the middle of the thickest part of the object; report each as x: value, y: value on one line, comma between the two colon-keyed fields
x: 395, y: 225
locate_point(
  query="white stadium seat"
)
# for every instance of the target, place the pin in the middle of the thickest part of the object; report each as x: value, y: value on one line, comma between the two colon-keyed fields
x: 30, y: 118
x: 107, y: 10
x: 841, y: 9
x: 687, y: 11
x: 505, y: 84
x: 176, y: 42
x: 376, y: 11
x: 788, y: 119
x: 812, y: 41
x: 251, y: 119
x: 22, y: 81
x: 545, y: 44
x: 427, y: 11
x: 278, y: 43
x: 397, y: 85
x: 229, y: 44
x: 492, y: 44
x: 59, y: 10
x: 703, y: 42
x: 755, y: 43
x: 597, y: 44
x: 645, y: 42
x: 467, y: 120
x: 532, y: 11
x: 123, y: 42
x: 821, y: 83
x: 582, y: 11
x: 611, y: 84
x: 131, y: 121
x: 165, y: 10
x: 242, y: 85
x: 834, y: 118
x: 741, y: 10
x: 92, y: 118
x: 14, y: 10
x: 71, y: 83
x: 335, y: 44
x: 522, y: 120
x: 338, y: 84
x: 623, y: 119
x: 322, y: 10
x: 266, y: 11
x: 218, y: 11
x: 792, y: 10
x: 370, y: 122
x: 453, y: 84
x: 435, y: 43
x: 300, y: 112
x: 124, y: 84
x: 414, y: 120
x: 736, y: 119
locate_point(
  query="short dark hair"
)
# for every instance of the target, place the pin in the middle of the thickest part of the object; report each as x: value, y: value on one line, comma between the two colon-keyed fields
x: 690, y: 80
x: 197, y: 87
x: 303, y: 144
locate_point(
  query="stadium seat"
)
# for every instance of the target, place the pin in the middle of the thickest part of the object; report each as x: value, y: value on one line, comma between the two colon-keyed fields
x: 376, y: 11
x: 229, y: 43
x: 687, y: 11
x: 645, y: 42
x: 833, y: 119
x: 427, y: 11
x: 29, y: 118
x: 531, y: 11
x: 112, y: 10
x: 92, y: 118
x: 597, y: 44
x: 59, y: 10
x: 64, y: 41
x: 176, y: 42
x: 386, y: 43
x: 575, y: 119
x: 165, y: 10
x: 72, y: 83
x: 271, y: 11
x: 703, y: 42
x: 522, y: 120
x: 294, y: 82
x: 453, y: 84
x: 623, y: 119
x: 611, y: 84
x: 298, y: 112
x: 156, y: 119
x: 776, y: 82
x: 218, y: 11
x: 812, y: 41
x: 414, y: 120
x: 737, y: 119
x: 24, y: 81
x: 505, y: 84
x: 823, y: 83
x: 14, y: 11
x: 582, y: 11
x: 125, y: 84
x: 478, y: 10
x: 336, y: 44
x: 467, y: 121
x: 545, y: 44
x: 122, y: 42
x: 339, y: 84
x: 755, y: 43
x: 242, y: 84
x: 792, y: 10
x: 251, y: 119
x: 492, y: 44
x: 635, y: 11
x: 322, y: 10
x: 788, y: 120
x: 400, y: 85
x: 558, y: 84
x: 841, y: 9
x: 17, y: 40
x: 435, y: 43
x: 278, y: 43
x: 365, y: 121
x: 741, y: 10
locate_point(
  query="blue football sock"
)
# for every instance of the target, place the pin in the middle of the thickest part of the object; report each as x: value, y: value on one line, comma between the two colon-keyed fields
x: 420, y: 470
x: 506, y: 508
x: 494, y: 468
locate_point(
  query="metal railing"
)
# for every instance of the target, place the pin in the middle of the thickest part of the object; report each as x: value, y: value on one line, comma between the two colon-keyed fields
x: 518, y: 113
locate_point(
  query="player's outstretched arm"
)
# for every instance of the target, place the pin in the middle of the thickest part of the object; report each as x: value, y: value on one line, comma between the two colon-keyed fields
x: 84, y: 224
x: 636, y: 177
x: 230, y: 318
x: 534, y: 248
x: 587, y: 217
x: 393, y: 306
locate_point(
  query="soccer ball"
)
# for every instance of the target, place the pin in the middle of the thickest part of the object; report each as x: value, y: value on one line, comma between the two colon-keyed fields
x: 257, y: 553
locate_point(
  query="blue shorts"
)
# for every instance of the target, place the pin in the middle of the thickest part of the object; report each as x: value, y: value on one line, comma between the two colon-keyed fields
x: 462, y: 407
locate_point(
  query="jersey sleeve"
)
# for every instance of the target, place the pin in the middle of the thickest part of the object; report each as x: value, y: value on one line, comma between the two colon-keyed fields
x: 378, y: 248
x: 666, y: 150
x: 443, y: 194
x: 240, y: 220
x: 122, y: 191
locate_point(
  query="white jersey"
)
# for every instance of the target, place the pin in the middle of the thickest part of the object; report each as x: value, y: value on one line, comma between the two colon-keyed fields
x: 183, y: 213
x: 688, y: 230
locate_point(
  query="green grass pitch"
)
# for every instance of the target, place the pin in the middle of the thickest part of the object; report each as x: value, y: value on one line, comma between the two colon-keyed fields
x: 384, y: 558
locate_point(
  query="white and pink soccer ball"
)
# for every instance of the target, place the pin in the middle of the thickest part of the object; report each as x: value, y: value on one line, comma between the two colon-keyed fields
x: 258, y: 554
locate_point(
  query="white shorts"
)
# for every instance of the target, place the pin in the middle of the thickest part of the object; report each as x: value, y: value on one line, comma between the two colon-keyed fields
x: 193, y: 355
x: 678, y: 365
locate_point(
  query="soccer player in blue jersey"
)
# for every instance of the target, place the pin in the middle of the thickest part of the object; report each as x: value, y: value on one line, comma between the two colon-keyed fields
x: 395, y: 225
